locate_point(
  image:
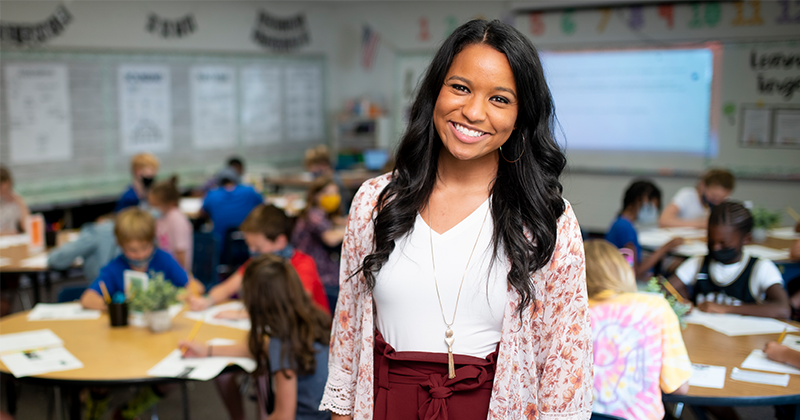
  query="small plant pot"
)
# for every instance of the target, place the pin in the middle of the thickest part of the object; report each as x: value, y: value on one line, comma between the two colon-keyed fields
x: 159, y: 321
x: 118, y: 314
x: 759, y: 235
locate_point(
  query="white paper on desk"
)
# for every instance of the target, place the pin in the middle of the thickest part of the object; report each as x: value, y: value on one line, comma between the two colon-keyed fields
x: 792, y: 341
x: 767, y: 253
x: 786, y: 233
x: 654, y: 238
x: 220, y: 342
x: 686, y: 232
x: 209, y: 316
x: 39, y: 362
x: 61, y: 312
x: 29, y: 340
x: 757, y: 360
x: 708, y: 376
x: 13, y: 240
x: 735, y: 325
x: 37, y: 261
x: 246, y: 363
x: 202, y: 368
x: 691, y: 249
x: 4, y: 261
x: 760, y: 377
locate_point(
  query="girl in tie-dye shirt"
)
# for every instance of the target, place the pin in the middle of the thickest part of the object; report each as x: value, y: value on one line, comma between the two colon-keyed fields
x: 638, y: 348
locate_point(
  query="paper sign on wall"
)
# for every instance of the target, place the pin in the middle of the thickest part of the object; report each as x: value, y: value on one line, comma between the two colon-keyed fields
x: 213, y: 107
x: 35, y: 229
x: 304, y: 117
x: 261, y: 105
x: 787, y: 127
x: 40, y: 120
x: 145, y: 109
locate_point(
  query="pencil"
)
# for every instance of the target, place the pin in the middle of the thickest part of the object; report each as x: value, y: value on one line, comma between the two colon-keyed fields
x: 106, y: 296
x: 191, y: 335
x: 674, y: 292
x: 793, y: 213
x: 783, y: 335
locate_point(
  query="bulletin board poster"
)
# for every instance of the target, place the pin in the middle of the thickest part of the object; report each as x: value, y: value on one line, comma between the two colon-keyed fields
x: 304, y: 116
x: 145, y: 109
x: 40, y: 119
x: 261, y: 105
x: 213, y: 90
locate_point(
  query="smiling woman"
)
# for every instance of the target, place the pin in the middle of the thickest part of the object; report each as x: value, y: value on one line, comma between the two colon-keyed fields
x: 462, y: 284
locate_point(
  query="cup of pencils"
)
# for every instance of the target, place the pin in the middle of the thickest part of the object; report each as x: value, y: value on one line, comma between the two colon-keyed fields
x: 117, y: 307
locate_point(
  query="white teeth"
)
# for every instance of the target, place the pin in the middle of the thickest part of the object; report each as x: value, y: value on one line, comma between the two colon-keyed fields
x: 467, y: 132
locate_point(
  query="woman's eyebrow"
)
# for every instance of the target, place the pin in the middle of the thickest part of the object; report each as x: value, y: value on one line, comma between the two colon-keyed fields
x: 500, y: 88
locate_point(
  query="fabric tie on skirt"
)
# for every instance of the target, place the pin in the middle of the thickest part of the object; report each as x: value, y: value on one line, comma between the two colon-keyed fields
x: 405, y: 377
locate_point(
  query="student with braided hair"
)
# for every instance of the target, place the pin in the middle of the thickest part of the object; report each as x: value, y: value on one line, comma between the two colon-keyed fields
x: 728, y: 279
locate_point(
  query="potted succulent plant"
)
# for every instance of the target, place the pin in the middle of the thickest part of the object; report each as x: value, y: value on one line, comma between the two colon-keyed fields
x: 763, y: 220
x: 155, y: 302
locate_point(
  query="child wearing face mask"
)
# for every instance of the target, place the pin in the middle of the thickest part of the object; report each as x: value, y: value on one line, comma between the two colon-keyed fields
x: 639, y: 205
x: 728, y: 279
x: 691, y: 205
x: 320, y: 230
x: 144, y: 168
x: 173, y: 229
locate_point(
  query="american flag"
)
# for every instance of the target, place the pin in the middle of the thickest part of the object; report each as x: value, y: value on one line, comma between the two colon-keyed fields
x: 369, y: 47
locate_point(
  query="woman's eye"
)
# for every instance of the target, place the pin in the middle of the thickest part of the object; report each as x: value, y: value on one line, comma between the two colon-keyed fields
x: 501, y: 100
x: 461, y: 88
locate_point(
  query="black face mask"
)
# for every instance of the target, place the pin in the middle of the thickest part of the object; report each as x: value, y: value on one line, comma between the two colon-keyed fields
x: 725, y: 255
x: 147, y: 181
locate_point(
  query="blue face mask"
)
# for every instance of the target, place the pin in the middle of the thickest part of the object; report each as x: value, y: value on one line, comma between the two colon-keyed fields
x: 156, y: 213
x: 648, y: 214
x: 285, y: 253
x: 143, y: 263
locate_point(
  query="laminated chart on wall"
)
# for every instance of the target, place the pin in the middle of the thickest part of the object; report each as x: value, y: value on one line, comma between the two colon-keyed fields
x: 262, y: 105
x: 213, y: 96
x: 40, y: 120
x: 145, y: 109
x: 304, y: 115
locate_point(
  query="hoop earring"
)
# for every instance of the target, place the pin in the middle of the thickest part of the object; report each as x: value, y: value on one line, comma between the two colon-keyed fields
x: 520, y: 155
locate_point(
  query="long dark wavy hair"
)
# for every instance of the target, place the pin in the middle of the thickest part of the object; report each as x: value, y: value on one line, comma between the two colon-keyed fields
x: 526, y: 195
x: 280, y: 307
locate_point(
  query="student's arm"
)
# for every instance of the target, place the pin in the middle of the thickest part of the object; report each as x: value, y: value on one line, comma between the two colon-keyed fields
x: 333, y: 236
x: 776, y: 305
x: 218, y: 293
x: 180, y: 256
x: 92, y: 300
x: 682, y: 390
x: 24, y: 212
x: 782, y: 354
x: 198, y: 349
x: 285, y: 395
x: 679, y: 286
x: 62, y: 257
x: 648, y: 263
x: 669, y: 218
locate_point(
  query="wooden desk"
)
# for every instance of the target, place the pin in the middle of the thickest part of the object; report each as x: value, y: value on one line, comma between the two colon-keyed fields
x: 706, y: 346
x: 652, y: 239
x: 112, y: 356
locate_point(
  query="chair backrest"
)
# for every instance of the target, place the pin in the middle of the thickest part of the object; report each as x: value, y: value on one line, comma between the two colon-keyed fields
x: 204, y: 260
x: 601, y: 416
x: 234, y: 249
x: 70, y: 293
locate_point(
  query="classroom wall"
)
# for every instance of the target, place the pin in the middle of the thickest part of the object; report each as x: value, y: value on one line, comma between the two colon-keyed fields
x: 336, y: 30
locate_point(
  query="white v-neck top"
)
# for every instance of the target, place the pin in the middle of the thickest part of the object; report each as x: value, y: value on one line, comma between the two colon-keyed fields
x: 407, y: 308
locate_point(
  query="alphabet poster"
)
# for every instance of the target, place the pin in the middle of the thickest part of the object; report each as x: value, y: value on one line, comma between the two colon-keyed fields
x: 40, y: 121
x: 145, y: 109
x: 213, y: 93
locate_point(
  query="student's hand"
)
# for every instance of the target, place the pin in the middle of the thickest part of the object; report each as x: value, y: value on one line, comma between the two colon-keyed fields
x: 232, y: 314
x: 193, y: 349
x: 199, y: 303
x: 713, y: 308
x: 674, y: 243
x: 776, y: 352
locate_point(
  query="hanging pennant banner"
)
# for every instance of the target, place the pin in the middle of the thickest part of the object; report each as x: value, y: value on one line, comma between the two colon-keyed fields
x: 171, y: 28
x: 37, y: 33
x: 281, y: 34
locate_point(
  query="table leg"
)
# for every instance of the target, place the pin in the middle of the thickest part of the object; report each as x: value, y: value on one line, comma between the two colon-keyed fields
x: 74, y: 403
x: 37, y: 296
x: 185, y: 400
x: 48, y: 284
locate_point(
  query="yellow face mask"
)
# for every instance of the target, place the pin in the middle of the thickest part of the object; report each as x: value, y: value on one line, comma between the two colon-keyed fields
x: 330, y: 203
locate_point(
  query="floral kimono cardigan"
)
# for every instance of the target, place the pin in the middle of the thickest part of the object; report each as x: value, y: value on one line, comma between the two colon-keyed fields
x: 544, y: 368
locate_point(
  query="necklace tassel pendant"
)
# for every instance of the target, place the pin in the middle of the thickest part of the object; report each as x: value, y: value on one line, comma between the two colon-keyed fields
x: 451, y: 367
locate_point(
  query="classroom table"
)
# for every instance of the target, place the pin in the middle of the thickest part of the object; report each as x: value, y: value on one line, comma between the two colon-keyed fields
x: 709, y: 347
x: 119, y: 356
x: 352, y: 179
x: 774, y: 248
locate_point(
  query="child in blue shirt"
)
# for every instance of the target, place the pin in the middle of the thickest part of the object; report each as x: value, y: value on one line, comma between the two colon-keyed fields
x: 144, y: 168
x: 641, y: 204
x: 229, y: 205
x: 135, y: 230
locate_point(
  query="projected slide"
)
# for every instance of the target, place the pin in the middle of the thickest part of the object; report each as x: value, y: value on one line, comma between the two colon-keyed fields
x: 655, y: 100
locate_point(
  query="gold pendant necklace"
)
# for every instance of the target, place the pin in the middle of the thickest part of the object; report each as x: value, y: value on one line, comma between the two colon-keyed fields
x: 448, y: 334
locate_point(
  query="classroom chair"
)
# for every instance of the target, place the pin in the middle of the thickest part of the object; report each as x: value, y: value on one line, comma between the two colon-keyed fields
x: 599, y: 416
x: 234, y: 253
x: 204, y: 259
x: 70, y: 293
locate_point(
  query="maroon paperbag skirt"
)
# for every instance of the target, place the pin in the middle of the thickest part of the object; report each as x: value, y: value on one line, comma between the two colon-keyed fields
x: 414, y: 385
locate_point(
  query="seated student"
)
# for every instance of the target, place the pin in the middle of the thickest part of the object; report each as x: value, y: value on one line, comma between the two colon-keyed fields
x: 266, y: 231
x: 639, y: 205
x: 295, y: 353
x: 318, y: 162
x: 135, y: 230
x: 691, y: 205
x: 174, y: 231
x: 638, y: 348
x: 728, y: 279
x: 144, y: 168
x: 96, y: 244
x: 235, y: 163
x: 228, y: 205
x: 13, y: 210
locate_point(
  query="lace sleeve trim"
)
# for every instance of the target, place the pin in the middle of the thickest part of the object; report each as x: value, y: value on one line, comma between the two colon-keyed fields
x: 339, y: 397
